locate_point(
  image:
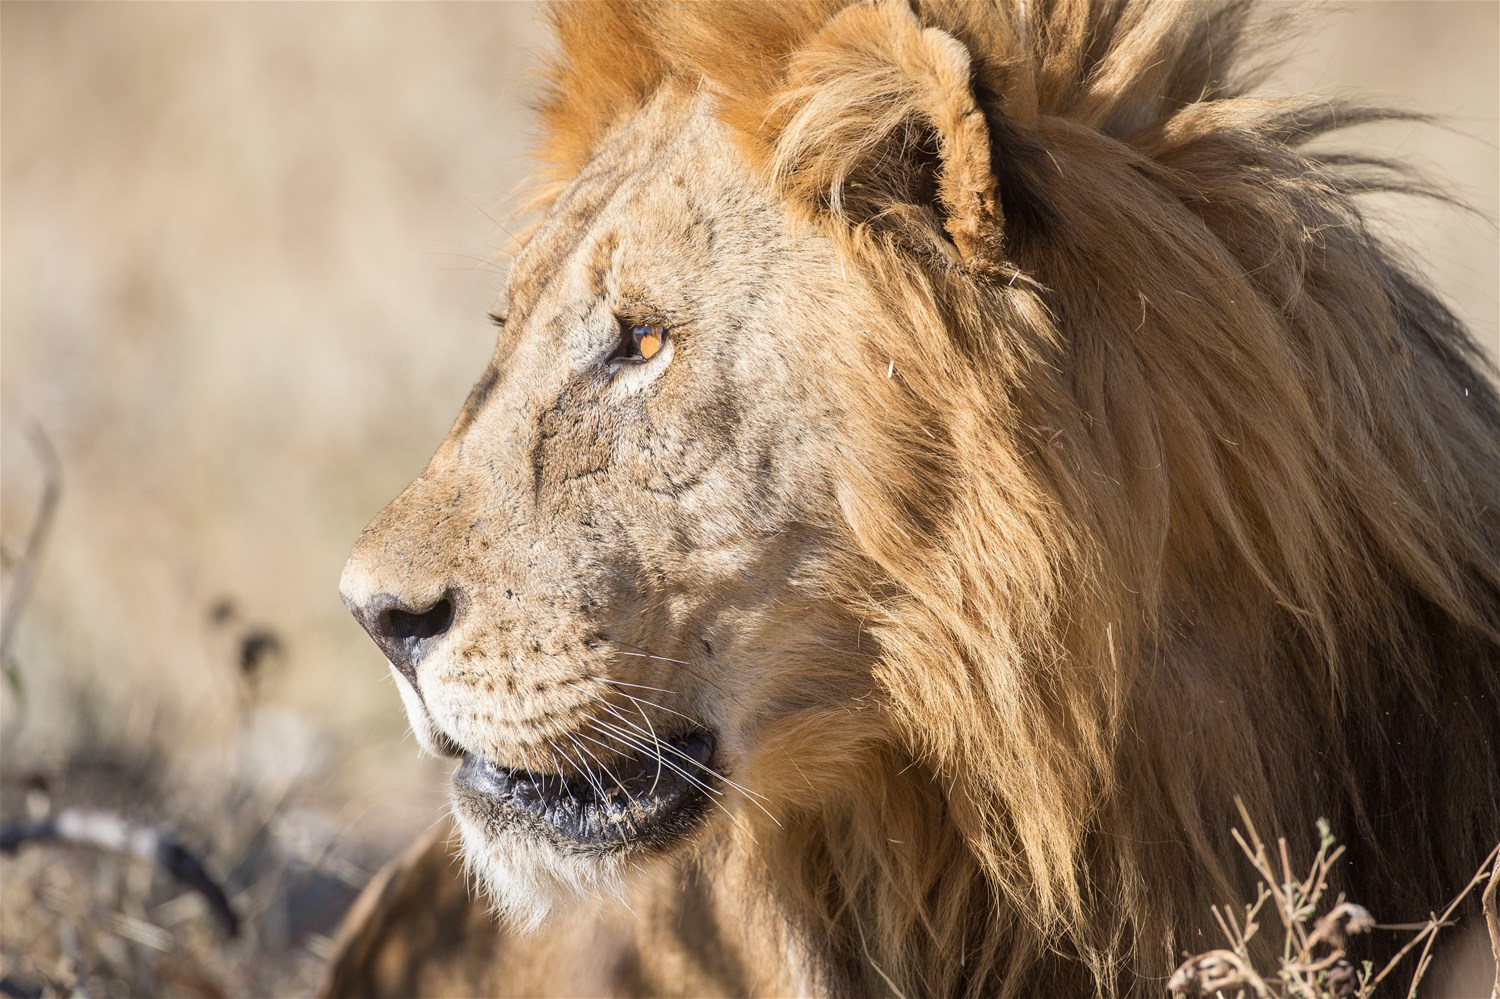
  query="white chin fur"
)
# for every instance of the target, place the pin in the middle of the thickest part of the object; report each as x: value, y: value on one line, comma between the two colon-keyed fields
x: 527, y: 879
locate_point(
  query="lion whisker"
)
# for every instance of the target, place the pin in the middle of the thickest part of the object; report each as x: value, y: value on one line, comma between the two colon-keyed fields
x: 754, y: 797
x: 637, y: 686
x: 609, y: 732
x: 637, y: 743
x: 644, y: 653
x: 663, y: 760
x: 648, y: 655
x: 559, y: 769
x: 638, y: 701
x: 631, y: 743
x: 525, y: 760
x: 598, y: 786
x: 739, y: 787
x: 656, y: 742
x: 588, y: 776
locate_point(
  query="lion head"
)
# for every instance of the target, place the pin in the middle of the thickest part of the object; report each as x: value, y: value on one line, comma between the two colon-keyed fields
x: 596, y: 592
x: 935, y: 458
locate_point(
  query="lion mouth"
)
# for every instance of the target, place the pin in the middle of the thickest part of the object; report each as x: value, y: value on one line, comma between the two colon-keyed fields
x: 649, y: 799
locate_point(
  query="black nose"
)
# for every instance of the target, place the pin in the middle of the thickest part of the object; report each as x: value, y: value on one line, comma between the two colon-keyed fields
x: 405, y: 633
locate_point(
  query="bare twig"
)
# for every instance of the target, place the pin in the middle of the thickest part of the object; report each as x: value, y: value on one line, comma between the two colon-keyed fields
x: 1492, y: 920
x: 1429, y: 930
x: 15, y: 600
x: 106, y: 830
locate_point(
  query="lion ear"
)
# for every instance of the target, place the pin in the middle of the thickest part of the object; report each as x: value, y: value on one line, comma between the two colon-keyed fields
x: 880, y: 126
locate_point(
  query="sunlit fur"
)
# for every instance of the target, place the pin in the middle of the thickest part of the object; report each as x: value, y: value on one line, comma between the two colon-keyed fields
x: 1181, y: 487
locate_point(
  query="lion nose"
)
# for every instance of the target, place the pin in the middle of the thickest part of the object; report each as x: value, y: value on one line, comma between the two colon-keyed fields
x: 405, y: 632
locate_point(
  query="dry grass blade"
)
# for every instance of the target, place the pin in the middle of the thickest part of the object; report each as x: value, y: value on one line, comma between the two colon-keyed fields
x: 20, y: 586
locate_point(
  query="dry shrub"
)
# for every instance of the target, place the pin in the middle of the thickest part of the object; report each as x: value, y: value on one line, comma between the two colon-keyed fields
x: 1313, y: 959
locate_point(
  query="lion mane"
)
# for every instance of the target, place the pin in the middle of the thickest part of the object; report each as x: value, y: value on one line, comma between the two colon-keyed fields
x: 1172, y: 485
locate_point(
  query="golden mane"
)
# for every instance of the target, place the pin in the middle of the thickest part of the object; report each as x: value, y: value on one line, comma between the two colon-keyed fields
x: 1179, y: 487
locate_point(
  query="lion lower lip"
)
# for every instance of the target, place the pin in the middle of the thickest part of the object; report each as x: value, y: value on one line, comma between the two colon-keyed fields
x: 647, y: 799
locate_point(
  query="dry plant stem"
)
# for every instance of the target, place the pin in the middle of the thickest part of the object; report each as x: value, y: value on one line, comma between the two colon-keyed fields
x: 1492, y: 921
x: 1214, y: 972
x: 31, y: 555
x: 1429, y: 932
x: 1296, y: 901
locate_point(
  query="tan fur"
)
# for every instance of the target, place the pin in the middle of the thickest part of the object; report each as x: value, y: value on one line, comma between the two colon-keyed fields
x: 1049, y: 456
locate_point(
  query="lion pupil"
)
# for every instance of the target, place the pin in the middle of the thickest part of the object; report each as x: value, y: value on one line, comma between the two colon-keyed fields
x: 647, y: 341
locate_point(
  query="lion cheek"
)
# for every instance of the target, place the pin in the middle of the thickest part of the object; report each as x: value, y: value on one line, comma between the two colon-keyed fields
x: 469, y: 718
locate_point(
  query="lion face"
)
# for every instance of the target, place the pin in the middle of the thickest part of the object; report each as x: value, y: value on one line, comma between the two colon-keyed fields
x: 591, y: 594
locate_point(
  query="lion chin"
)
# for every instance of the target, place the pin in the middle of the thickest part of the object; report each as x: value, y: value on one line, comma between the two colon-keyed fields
x: 941, y: 466
x: 527, y: 880
x: 539, y: 840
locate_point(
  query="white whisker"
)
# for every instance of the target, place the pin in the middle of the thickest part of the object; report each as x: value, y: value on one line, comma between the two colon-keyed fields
x: 638, y: 701
x: 638, y: 744
x: 598, y: 787
x: 604, y: 729
x: 638, y: 686
x: 656, y: 742
x: 755, y: 798
x: 587, y: 775
x: 647, y: 655
x: 689, y: 759
x: 558, y: 769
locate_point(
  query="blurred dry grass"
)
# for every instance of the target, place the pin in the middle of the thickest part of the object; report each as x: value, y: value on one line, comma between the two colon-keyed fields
x: 246, y: 254
x: 244, y: 278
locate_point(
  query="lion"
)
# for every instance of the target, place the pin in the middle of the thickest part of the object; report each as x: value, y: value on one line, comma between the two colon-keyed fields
x: 937, y: 459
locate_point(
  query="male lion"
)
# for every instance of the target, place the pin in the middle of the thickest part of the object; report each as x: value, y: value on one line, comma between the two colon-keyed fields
x: 935, y: 459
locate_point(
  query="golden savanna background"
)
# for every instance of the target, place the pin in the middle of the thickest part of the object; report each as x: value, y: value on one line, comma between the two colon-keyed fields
x: 245, y: 256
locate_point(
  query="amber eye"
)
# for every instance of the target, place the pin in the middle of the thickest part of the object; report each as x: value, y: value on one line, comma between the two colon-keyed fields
x: 641, y: 342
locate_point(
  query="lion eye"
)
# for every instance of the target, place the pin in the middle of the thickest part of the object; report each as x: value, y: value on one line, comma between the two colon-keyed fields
x: 642, y: 341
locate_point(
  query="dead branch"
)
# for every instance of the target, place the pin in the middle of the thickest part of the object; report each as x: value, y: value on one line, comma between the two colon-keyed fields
x: 109, y: 831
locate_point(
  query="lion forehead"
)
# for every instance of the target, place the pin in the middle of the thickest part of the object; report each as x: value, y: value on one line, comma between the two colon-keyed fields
x: 668, y: 210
